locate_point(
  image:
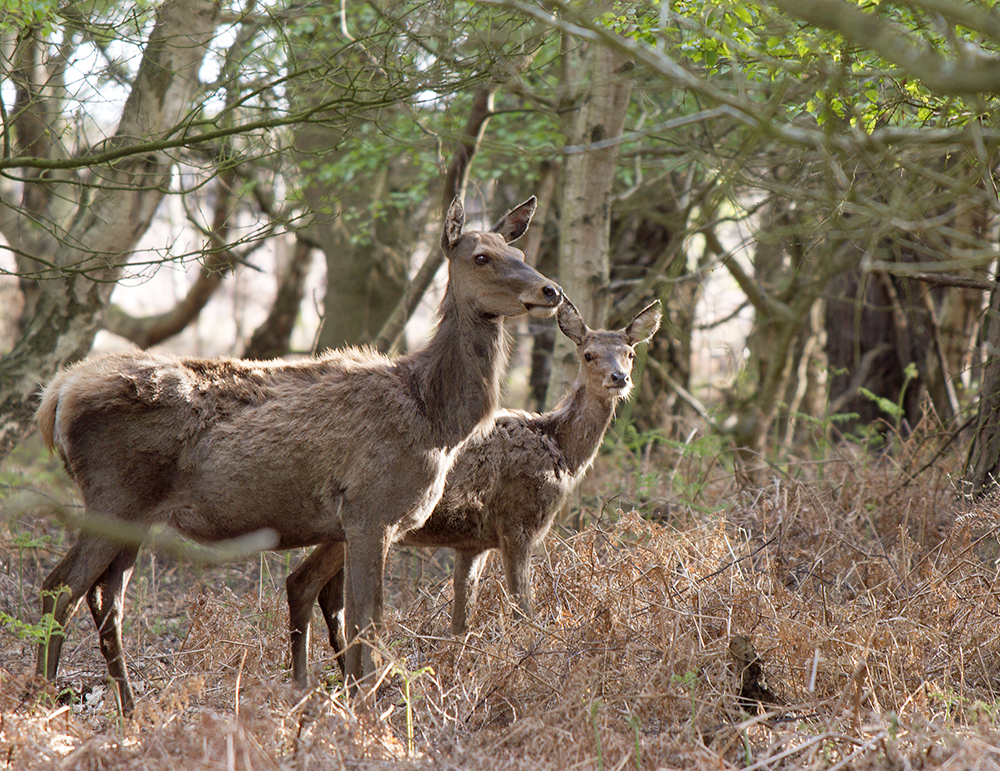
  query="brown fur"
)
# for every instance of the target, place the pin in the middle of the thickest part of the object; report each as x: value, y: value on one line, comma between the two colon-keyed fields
x: 351, y: 446
x: 504, y: 489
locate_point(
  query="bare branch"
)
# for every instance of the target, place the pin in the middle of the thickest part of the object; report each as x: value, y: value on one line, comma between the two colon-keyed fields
x: 458, y: 173
x: 162, y: 538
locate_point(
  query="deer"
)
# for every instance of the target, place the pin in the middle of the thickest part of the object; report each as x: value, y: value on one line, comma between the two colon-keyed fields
x: 351, y: 446
x: 502, y: 492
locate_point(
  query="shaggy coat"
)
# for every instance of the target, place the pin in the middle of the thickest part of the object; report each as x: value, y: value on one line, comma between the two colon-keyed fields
x: 352, y: 446
x: 505, y: 487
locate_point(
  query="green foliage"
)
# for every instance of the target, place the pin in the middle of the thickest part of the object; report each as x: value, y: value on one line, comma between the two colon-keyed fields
x: 689, y: 478
x: 959, y: 708
x: 821, y: 77
x: 636, y: 725
x: 34, y: 633
x: 889, y: 407
x: 402, y: 118
x: 408, y: 679
x: 688, y: 682
x: 23, y: 541
x: 21, y: 14
x: 632, y: 22
x: 820, y: 428
x: 37, y: 634
x: 894, y: 409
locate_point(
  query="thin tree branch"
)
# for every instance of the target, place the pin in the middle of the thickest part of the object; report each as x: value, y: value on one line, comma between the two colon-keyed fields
x: 455, y: 184
x: 970, y: 75
x: 574, y: 19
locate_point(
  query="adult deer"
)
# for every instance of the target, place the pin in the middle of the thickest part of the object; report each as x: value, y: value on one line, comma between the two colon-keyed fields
x: 504, y: 489
x: 351, y: 446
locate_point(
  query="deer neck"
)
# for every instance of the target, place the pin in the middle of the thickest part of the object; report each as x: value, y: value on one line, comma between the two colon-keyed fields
x: 580, y: 420
x: 458, y: 373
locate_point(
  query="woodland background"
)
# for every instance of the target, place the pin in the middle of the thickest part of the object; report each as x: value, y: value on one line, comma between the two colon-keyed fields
x: 812, y: 183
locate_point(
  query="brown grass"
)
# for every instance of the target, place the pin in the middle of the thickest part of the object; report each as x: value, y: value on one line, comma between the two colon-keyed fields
x: 870, y: 596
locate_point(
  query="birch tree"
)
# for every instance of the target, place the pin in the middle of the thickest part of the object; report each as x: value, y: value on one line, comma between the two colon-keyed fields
x: 597, y: 92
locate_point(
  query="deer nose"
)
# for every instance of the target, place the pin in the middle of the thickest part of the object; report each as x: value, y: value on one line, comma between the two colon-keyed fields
x: 619, y: 379
x: 552, y: 293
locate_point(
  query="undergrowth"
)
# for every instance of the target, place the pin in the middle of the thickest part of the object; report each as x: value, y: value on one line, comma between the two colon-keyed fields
x: 833, y: 613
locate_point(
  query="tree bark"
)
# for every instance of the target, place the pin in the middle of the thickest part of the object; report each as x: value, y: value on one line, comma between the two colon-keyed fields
x: 272, y: 338
x: 649, y: 261
x: 365, y: 234
x: 219, y: 258
x: 88, y: 249
x: 598, y: 93
x: 983, y: 464
x: 36, y: 124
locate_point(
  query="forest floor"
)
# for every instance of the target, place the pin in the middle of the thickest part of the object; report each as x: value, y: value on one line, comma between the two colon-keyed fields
x: 839, y: 614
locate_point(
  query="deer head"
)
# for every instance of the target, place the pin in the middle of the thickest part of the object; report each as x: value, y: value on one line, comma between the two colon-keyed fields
x: 489, y: 275
x: 606, y: 357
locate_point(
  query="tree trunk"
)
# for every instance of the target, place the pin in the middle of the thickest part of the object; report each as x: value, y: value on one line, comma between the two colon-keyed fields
x: 219, y: 258
x: 114, y: 210
x: 365, y: 234
x: 783, y: 294
x: 649, y: 261
x: 272, y: 338
x: 598, y: 92
x: 983, y: 464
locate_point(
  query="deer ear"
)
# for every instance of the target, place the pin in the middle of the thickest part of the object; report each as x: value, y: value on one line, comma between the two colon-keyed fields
x: 645, y: 324
x: 513, y: 224
x: 454, y: 221
x: 570, y: 321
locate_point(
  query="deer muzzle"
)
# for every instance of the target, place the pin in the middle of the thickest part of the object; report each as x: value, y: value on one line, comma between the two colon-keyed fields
x: 617, y: 381
x: 553, y: 294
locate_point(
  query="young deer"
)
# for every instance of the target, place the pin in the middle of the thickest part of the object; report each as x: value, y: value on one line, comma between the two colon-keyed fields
x: 351, y: 446
x: 504, y: 489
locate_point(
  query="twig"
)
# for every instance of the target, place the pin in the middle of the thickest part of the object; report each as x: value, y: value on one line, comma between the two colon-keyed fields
x: 160, y: 537
x: 726, y: 567
x: 239, y: 679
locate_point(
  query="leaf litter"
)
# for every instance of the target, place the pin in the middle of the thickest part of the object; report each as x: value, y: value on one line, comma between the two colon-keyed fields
x: 847, y: 621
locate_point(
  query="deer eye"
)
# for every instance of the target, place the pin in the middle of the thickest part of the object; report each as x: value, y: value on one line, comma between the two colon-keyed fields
x: 588, y: 357
x: 631, y: 355
x: 481, y: 259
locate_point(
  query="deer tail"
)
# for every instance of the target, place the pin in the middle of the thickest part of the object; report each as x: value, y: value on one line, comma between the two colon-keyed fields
x: 47, y: 412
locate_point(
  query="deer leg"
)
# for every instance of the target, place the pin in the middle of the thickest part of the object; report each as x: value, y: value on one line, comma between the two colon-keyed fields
x: 363, y: 600
x: 303, y: 586
x: 63, y: 590
x: 106, y: 600
x: 350, y: 632
x: 516, y: 553
x: 468, y: 568
x: 331, y: 602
